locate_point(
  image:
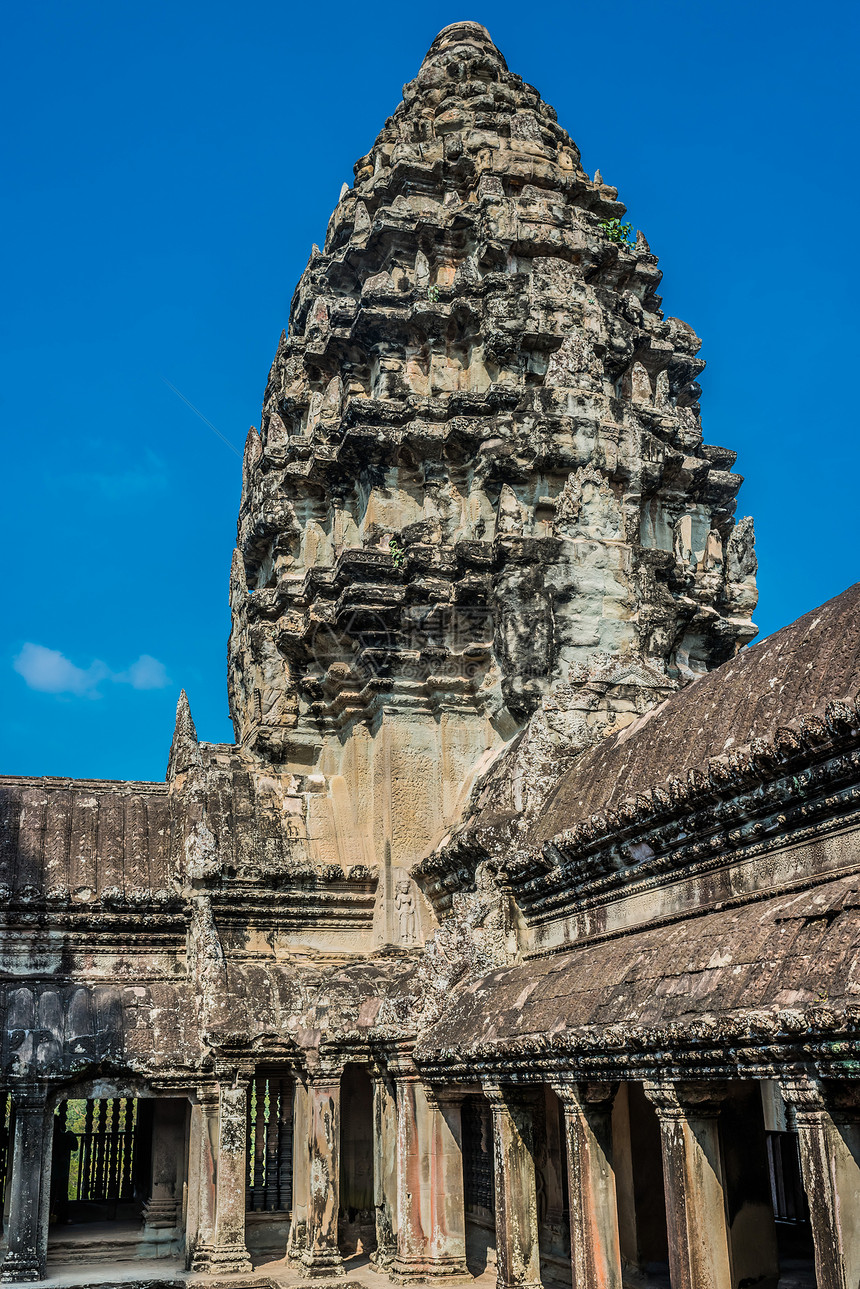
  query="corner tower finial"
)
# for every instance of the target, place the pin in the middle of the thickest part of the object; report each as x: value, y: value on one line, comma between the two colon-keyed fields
x: 464, y: 34
x: 184, y: 750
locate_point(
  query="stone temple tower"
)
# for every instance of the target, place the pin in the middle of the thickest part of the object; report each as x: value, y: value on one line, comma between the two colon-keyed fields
x: 513, y: 938
x: 479, y: 524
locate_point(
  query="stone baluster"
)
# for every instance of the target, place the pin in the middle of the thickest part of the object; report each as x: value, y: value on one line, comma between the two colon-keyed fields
x: 517, y: 1241
x: 29, y: 1200
x: 384, y: 1166
x: 595, y: 1249
x: 693, y: 1180
x: 828, y: 1132
x: 222, y: 1143
x: 431, y: 1221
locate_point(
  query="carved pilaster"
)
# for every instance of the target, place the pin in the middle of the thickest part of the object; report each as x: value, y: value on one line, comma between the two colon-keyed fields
x: 827, y: 1116
x: 298, y: 1241
x: 320, y: 1256
x: 693, y: 1180
x: 431, y: 1223
x: 221, y: 1246
x: 384, y: 1166
x: 29, y: 1188
x: 594, y: 1242
x: 517, y: 1251
x: 202, y: 1157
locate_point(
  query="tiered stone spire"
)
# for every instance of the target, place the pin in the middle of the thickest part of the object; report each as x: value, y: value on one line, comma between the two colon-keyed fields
x: 479, y: 500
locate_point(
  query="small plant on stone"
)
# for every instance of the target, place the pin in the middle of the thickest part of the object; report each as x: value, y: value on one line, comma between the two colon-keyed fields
x: 433, y: 294
x: 398, y: 554
x: 615, y: 231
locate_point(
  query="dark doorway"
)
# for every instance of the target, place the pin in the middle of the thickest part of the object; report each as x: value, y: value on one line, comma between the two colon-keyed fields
x: 638, y: 1163
x: 479, y: 1188
x: 357, y: 1216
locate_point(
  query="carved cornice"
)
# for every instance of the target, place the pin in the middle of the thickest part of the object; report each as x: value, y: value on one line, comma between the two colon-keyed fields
x: 681, y: 1100
x: 578, y: 1096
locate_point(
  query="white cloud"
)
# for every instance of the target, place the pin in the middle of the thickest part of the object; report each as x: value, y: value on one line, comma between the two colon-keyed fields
x: 146, y: 673
x: 51, y: 672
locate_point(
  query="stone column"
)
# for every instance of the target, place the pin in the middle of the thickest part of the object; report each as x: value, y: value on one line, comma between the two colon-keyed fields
x: 384, y: 1167
x: 693, y: 1180
x: 161, y: 1212
x: 298, y: 1239
x: 221, y: 1246
x: 431, y: 1218
x: 828, y: 1130
x: 29, y: 1199
x: 321, y: 1257
x: 595, y: 1249
x: 517, y: 1246
x: 202, y: 1157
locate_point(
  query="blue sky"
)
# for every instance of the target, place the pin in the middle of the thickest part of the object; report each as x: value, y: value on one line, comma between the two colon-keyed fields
x: 167, y: 170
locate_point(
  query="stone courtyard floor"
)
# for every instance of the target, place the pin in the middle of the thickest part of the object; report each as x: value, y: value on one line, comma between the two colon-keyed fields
x: 168, y: 1273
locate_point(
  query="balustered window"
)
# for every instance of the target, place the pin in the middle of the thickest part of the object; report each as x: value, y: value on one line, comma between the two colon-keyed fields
x: 270, y: 1144
x: 786, y: 1183
x: 98, y: 1157
x: 478, y: 1181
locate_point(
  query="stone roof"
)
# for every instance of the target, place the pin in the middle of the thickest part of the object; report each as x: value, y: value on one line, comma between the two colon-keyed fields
x: 795, y: 672
x: 791, y: 951
x: 82, y: 835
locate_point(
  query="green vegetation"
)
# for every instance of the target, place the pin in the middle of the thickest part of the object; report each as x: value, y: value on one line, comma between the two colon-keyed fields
x: 615, y: 231
x: 398, y: 554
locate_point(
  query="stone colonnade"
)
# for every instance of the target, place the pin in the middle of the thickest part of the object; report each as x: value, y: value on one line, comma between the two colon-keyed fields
x: 418, y: 1176
x: 704, y: 1251
x: 418, y: 1180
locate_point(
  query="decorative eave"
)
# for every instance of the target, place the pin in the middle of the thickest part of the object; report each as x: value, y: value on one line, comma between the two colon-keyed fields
x: 749, y: 1044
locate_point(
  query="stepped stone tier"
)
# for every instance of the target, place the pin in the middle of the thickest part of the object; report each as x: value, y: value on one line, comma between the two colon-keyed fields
x: 516, y: 935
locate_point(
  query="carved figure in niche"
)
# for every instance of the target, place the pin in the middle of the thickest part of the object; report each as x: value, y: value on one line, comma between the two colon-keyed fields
x: 407, y: 916
x: 586, y: 506
x: 574, y: 365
